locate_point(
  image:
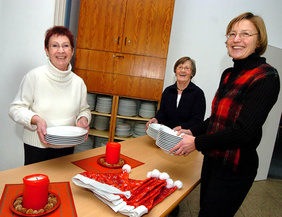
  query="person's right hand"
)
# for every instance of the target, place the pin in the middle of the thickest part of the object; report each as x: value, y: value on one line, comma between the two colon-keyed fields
x: 41, y: 127
x: 153, y: 120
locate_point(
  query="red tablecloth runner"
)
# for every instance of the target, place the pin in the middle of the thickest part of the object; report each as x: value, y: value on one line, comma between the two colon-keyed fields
x: 66, y: 208
x: 91, y: 164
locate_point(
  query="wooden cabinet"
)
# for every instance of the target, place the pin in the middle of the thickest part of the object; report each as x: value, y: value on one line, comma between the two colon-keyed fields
x: 127, y: 75
x: 121, y: 50
x: 129, y: 26
x: 101, y: 24
x: 122, y: 46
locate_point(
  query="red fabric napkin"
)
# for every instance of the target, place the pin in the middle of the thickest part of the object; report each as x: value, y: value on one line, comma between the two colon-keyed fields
x: 91, y: 164
x: 66, y: 208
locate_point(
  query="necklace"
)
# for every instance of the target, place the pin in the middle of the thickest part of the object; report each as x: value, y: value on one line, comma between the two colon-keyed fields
x: 180, y: 89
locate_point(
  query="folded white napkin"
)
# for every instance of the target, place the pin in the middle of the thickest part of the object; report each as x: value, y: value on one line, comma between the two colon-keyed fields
x: 114, y: 197
x: 91, y: 184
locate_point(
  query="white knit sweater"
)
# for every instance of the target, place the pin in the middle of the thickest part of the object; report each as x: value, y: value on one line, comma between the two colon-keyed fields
x: 59, y: 97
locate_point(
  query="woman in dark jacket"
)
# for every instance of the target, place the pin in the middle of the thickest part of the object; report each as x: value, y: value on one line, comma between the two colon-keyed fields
x: 183, y: 104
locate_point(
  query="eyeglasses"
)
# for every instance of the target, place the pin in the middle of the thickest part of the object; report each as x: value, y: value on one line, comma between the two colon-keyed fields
x: 57, y: 46
x: 183, y: 68
x: 242, y: 35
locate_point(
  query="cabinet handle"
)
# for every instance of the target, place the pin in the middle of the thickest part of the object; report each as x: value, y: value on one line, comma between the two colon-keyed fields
x: 118, y: 41
x: 119, y: 56
x: 125, y: 41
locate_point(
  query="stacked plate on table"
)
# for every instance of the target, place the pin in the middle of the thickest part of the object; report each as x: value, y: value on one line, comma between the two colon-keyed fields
x: 91, y: 99
x: 123, y: 130
x: 101, y: 122
x: 127, y: 107
x: 104, y: 104
x: 154, y: 128
x: 66, y: 136
x: 167, y: 139
x: 147, y: 109
x: 139, y: 129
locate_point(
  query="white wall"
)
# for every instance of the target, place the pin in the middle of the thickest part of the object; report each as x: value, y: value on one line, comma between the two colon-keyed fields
x: 198, y: 31
x: 23, y: 24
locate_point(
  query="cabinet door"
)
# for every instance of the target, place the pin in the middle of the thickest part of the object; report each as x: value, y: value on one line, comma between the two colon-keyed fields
x: 101, y: 24
x: 147, y: 27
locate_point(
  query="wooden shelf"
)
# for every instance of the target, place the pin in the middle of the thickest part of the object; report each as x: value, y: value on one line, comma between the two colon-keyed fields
x: 100, y: 133
x: 136, y: 118
x: 101, y: 114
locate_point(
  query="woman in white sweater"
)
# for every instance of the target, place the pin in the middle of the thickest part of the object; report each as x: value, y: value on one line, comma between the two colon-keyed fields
x: 51, y: 95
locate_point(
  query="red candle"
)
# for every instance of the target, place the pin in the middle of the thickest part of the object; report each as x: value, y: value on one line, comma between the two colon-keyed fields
x: 112, y: 152
x: 35, y: 191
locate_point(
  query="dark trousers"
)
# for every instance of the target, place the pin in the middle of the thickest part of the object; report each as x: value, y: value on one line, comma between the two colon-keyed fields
x: 222, y: 190
x: 33, y: 154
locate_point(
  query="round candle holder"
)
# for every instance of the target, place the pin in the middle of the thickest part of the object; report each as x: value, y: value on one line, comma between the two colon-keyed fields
x: 12, y: 207
x: 102, y: 162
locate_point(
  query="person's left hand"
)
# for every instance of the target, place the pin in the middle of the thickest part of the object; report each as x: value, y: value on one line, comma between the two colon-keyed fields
x: 83, y: 123
x: 177, y: 128
x: 185, y: 146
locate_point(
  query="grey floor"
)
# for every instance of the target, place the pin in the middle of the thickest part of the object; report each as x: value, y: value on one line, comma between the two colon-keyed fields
x: 263, y: 200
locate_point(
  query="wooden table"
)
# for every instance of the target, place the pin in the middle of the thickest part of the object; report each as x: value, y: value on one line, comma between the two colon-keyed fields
x: 186, y: 169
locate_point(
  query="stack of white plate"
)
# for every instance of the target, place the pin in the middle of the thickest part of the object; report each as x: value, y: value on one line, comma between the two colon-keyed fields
x: 147, y: 109
x: 87, y: 145
x: 154, y: 128
x: 91, y: 98
x: 91, y: 125
x: 139, y: 129
x: 65, y: 136
x: 127, y: 107
x: 100, y: 141
x: 104, y: 104
x: 101, y: 122
x: 167, y: 139
x: 123, y: 130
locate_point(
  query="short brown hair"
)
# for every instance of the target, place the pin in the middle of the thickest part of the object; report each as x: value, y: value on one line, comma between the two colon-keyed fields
x: 58, y: 30
x: 183, y: 60
x: 260, y: 26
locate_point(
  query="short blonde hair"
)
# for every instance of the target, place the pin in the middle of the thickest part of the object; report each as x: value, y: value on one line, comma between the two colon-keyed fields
x: 260, y: 26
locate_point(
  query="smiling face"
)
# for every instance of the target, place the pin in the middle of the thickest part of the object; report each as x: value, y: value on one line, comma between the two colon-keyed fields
x: 59, y: 51
x: 184, y: 72
x: 241, y: 47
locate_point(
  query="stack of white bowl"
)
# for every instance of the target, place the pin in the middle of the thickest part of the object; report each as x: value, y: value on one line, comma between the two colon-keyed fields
x: 139, y: 129
x: 100, y: 141
x: 127, y: 107
x: 104, y: 104
x: 91, y: 125
x: 147, y: 109
x: 123, y: 130
x: 91, y: 99
x: 101, y: 122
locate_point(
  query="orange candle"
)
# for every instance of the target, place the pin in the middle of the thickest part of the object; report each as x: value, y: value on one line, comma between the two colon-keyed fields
x: 112, y: 152
x: 35, y: 191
